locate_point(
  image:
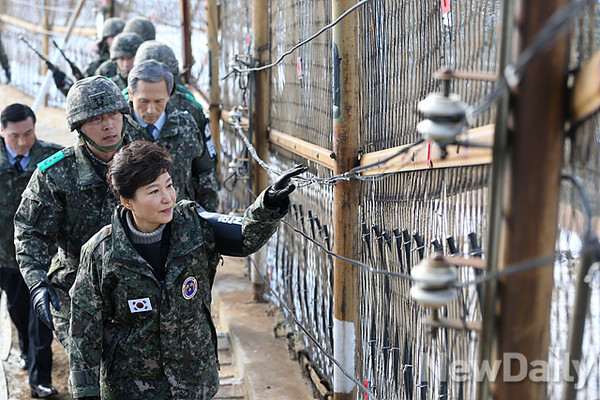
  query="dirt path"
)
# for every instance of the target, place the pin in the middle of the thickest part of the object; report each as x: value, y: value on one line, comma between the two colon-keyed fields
x: 51, y: 126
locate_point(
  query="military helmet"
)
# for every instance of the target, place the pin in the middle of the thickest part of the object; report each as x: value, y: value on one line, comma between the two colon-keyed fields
x: 125, y: 45
x: 142, y: 26
x: 112, y: 27
x: 93, y: 96
x: 155, y: 50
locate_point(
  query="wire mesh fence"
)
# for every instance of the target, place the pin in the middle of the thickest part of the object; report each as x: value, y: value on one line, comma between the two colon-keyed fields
x: 402, y: 217
x: 406, y: 217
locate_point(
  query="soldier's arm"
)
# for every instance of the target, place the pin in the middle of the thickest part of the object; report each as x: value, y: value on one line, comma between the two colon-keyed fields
x: 37, y: 222
x: 85, y: 345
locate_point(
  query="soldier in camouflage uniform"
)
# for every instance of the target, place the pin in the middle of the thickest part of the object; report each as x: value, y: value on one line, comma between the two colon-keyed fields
x: 140, y: 321
x: 154, y: 119
x: 67, y: 199
x: 207, y: 190
x: 112, y: 27
x: 143, y: 27
x: 20, y: 151
x: 122, y: 52
x: 4, y: 61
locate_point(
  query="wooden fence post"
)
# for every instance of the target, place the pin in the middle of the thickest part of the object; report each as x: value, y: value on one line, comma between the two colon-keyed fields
x: 530, y: 208
x: 261, y: 120
x: 212, y: 25
x: 186, y: 39
x: 345, y: 197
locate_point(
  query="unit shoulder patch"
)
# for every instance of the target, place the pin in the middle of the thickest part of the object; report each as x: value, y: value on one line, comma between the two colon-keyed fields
x: 53, y: 159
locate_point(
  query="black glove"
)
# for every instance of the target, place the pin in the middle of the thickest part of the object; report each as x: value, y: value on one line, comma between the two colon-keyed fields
x: 59, y: 78
x: 277, y: 194
x: 41, y: 297
x: 7, y: 73
x: 62, y: 81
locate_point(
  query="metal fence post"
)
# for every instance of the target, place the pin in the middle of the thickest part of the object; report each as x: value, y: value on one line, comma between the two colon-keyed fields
x: 345, y: 197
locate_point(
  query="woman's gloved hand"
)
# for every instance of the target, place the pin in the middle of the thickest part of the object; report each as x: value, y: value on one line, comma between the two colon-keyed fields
x: 277, y: 195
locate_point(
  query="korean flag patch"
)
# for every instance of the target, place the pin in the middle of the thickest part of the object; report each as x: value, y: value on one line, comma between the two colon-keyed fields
x: 140, y: 305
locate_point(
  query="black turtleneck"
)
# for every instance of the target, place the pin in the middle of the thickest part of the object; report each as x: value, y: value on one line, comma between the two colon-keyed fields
x: 155, y: 253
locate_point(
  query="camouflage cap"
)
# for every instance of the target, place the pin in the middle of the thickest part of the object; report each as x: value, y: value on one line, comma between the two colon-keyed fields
x: 93, y: 96
x: 112, y: 27
x: 155, y: 50
x: 125, y: 45
x: 142, y: 26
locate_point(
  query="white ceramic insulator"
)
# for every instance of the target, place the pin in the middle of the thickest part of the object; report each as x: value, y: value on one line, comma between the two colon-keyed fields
x: 436, y: 105
x: 433, y: 274
x: 433, y: 298
x: 440, y: 132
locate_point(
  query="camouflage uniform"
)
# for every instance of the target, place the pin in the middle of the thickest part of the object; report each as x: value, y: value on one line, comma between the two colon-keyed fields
x: 12, y: 184
x: 170, y: 351
x: 207, y: 185
x: 142, y: 26
x: 66, y: 201
x: 112, y: 27
x: 124, y: 45
x: 179, y: 136
x: 107, y: 68
x: 63, y: 205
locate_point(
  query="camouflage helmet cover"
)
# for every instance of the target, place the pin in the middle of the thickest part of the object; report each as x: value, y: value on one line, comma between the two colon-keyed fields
x: 112, y: 27
x: 142, y: 26
x: 93, y: 96
x: 125, y: 45
x: 155, y: 50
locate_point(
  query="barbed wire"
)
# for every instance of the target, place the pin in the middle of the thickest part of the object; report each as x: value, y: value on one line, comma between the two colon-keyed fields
x: 352, y: 173
x: 542, y: 41
x: 302, y: 43
x: 510, y: 269
x: 308, y: 334
x: 512, y: 74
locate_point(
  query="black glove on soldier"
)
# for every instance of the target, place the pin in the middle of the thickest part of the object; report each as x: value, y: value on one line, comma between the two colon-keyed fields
x: 277, y: 195
x: 62, y: 81
x: 41, y: 297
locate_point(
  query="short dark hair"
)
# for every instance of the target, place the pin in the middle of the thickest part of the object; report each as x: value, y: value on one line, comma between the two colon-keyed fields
x: 16, y: 113
x: 135, y: 165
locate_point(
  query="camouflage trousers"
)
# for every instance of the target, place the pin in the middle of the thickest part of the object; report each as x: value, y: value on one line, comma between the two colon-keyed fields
x: 61, y: 319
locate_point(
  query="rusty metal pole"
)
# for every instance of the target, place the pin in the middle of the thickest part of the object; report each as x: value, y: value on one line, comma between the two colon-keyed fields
x: 262, y: 106
x: 345, y: 197
x: 214, y: 109
x: 530, y: 209
x: 186, y: 39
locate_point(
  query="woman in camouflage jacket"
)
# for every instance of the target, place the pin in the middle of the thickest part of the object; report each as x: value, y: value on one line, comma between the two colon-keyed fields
x: 141, y: 326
